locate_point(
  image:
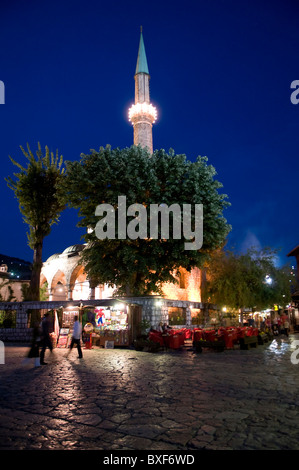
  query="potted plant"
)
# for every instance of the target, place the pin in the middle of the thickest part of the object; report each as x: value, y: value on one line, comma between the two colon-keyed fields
x: 144, y: 327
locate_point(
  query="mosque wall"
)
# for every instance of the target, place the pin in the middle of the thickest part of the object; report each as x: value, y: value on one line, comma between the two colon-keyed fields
x: 67, y: 280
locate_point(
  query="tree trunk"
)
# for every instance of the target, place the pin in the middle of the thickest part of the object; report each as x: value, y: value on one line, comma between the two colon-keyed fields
x: 203, y: 285
x: 128, y: 290
x: 36, y: 270
x: 241, y: 316
x: 206, y: 314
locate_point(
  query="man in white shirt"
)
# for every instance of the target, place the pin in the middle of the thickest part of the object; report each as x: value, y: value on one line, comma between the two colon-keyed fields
x: 76, y: 337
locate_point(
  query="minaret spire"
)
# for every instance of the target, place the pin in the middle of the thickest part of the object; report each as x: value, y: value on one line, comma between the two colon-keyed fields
x: 142, y: 114
x: 141, y: 66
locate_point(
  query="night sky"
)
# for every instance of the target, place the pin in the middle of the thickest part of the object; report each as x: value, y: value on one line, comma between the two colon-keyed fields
x: 221, y: 74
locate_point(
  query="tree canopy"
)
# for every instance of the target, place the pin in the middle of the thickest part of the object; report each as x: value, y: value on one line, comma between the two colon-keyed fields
x: 247, y: 280
x: 41, y: 199
x: 139, y: 266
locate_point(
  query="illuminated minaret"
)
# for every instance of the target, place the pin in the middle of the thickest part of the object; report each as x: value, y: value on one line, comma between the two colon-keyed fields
x: 142, y: 114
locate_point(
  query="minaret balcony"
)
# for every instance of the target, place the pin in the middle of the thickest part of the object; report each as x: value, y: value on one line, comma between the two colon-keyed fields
x: 139, y: 110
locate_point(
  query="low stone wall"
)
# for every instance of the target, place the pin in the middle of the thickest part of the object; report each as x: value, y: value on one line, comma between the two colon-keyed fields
x: 154, y: 309
x: 21, y: 333
x: 16, y: 335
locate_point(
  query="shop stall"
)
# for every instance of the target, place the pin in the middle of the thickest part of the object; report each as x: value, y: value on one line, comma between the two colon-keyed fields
x: 111, y: 324
x: 68, y: 315
x: 107, y: 324
x: 65, y: 327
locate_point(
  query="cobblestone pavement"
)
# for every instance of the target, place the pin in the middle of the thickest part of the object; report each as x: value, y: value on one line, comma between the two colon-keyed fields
x: 122, y: 399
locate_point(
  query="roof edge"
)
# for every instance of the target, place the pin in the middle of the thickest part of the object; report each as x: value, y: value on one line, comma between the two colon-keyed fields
x: 294, y: 252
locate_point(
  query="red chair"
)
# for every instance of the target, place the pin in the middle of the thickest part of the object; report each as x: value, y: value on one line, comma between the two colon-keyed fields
x: 156, y: 338
x: 174, y: 342
x: 188, y: 334
x: 229, y: 339
x: 210, y: 335
x: 241, y: 332
x: 194, y: 331
x: 181, y: 338
x: 197, y: 335
x: 180, y: 331
x: 184, y: 332
x: 171, y: 332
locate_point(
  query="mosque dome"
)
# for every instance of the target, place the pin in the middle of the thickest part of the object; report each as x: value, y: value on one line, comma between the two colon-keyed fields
x: 55, y: 256
x: 73, y: 249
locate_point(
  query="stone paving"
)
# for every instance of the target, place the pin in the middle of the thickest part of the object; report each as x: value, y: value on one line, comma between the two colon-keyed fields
x: 122, y: 399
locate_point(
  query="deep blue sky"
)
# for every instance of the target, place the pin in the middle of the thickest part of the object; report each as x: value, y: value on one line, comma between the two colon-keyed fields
x: 220, y: 78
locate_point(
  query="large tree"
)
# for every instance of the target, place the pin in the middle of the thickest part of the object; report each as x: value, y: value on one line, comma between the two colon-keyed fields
x: 139, y: 266
x: 247, y: 280
x: 41, y: 199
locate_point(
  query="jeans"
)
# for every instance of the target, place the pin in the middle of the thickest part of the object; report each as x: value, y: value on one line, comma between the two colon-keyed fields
x: 77, y: 342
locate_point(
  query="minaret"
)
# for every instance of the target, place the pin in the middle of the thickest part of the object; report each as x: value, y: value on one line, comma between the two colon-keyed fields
x: 142, y: 114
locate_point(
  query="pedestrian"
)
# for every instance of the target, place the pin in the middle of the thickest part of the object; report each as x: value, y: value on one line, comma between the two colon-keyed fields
x: 46, y: 338
x: 35, y: 346
x: 275, y: 325
x: 76, y: 337
x: 285, y: 323
x: 279, y: 323
x: 286, y: 326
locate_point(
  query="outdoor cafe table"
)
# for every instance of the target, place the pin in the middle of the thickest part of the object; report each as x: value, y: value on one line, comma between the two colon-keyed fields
x: 174, y: 338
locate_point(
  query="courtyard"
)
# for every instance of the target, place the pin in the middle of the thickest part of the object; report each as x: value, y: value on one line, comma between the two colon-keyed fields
x: 122, y: 399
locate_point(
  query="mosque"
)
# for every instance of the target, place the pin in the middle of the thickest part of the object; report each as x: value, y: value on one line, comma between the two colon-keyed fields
x: 62, y: 272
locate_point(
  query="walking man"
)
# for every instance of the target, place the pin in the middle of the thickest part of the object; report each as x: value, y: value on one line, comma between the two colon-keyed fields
x: 46, y: 338
x: 76, y: 337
